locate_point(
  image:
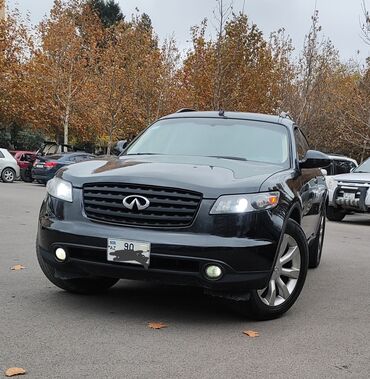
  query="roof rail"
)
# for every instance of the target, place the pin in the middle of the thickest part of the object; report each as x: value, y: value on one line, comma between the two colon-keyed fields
x: 184, y: 110
x: 285, y: 115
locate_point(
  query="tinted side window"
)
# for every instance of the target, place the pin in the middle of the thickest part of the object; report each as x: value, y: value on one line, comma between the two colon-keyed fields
x: 301, y: 143
x: 1, y: 155
x: 343, y: 167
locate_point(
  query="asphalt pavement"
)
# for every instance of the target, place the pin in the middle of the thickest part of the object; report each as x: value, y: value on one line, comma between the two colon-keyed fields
x: 53, y: 334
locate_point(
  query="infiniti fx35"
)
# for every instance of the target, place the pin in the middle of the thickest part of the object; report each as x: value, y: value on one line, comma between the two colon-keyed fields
x: 233, y: 203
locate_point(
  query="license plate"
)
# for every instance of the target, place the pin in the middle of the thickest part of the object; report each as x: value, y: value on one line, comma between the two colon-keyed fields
x: 131, y: 252
x: 349, y: 196
x: 40, y: 166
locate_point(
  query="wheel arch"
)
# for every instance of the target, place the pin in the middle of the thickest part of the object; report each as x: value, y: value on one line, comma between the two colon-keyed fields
x: 295, y: 213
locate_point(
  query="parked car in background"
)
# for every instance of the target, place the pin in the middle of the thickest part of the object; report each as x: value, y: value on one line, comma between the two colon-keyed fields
x: 341, y: 164
x: 9, y: 169
x: 233, y: 203
x: 349, y: 193
x: 51, y: 148
x: 25, y: 160
x: 44, y: 168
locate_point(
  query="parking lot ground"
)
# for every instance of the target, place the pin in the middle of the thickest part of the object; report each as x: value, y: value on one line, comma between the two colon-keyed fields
x: 53, y: 334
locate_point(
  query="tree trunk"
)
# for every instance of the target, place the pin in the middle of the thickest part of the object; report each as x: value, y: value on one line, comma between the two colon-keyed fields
x: 66, y: 124
x: 68, y: 111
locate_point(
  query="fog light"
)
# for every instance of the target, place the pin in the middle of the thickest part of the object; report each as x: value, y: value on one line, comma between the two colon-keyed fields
x: 214, y: 272
x: 61, y: 254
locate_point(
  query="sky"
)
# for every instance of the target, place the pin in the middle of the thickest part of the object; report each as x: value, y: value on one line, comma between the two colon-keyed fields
x: 340, y: 19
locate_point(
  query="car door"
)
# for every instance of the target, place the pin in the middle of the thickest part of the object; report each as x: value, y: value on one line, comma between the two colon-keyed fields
x: 310, y: 188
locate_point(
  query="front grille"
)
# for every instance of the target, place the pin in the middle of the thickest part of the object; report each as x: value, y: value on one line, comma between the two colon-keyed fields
x: 350, y: 196
x: 168, y: 207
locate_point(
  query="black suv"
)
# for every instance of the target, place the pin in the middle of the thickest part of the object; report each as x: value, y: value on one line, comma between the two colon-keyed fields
x: 230, y: 202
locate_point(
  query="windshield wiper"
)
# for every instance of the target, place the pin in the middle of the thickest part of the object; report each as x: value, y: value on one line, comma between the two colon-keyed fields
x: 361, y: 172
x: 226, y: 157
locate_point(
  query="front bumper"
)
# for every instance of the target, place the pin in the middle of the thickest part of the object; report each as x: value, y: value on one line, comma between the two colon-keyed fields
x: 351, y: 196
x: 178, y: 256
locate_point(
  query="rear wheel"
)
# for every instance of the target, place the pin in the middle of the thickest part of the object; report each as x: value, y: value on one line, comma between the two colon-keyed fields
x: 84, y: 286
x: 335, y: 214
x: 286, y: 281
x: 8, y: 175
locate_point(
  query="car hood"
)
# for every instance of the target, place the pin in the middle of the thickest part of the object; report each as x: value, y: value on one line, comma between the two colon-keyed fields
x: 210, y: 176
x: 353, y: 177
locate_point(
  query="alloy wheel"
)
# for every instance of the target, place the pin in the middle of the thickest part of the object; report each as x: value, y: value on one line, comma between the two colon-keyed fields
x: 285, y: 275
x: 8, y: 175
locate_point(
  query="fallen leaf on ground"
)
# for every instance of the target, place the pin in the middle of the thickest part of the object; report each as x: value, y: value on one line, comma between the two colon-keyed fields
x: 157, y: 325
x: 17, y: 268
x: 251, y: 333
x: 14, y: 371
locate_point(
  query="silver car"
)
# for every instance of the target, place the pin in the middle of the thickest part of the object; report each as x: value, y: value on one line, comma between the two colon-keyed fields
x: 9, y: 169
x: 349, y: 193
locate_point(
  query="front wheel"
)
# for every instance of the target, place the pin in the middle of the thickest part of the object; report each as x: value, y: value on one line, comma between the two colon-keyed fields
x: 8, y: 175
x: 287, y: 279
x: 85, y: 286
x: 335, y: 214
x: 26, y: 176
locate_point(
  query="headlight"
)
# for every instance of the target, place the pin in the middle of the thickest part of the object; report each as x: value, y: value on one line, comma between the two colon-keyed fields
x: 60, y: 189
x: 245, y: 203
x: 331, y: 183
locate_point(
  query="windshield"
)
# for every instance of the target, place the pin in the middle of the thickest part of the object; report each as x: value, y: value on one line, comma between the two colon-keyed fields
x: 220, y: 138
x: 365, y: 167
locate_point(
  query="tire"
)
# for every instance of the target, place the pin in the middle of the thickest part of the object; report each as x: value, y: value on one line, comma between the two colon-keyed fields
x: 335, y: 214
x: 315, y: 249
x: 42, y: 182
x: 8, y: 175
x: 26, y: 176
x: 84, y: 286
x: 257, y: 307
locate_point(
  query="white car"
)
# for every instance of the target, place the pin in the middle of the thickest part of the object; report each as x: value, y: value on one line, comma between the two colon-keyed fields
x: 9, y: 169
x: 341, y: 164
x: 349, y: 193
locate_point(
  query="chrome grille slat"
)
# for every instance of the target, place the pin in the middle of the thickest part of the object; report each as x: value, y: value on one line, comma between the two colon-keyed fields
x: 168, y: 207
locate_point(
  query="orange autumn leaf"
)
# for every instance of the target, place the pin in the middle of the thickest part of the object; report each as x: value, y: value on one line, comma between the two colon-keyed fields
x: 15, y: 371
x: 251, y: 333
x: 157, y: 325
x: 17, y: 268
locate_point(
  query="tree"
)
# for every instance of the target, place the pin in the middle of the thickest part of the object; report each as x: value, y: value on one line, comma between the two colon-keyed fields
x: 238, y: 71
x: 15, y: 48
x: 60, y: 69
x: 128, y: 71
x: 109, y: 12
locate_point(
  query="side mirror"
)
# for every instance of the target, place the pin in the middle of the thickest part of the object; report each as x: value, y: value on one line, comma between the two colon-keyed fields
x: 315, y: 159
x: 324, y: 172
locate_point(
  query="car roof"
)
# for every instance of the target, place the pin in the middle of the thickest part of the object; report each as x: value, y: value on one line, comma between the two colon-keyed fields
x: 234, y: 115
x: 66, y: 155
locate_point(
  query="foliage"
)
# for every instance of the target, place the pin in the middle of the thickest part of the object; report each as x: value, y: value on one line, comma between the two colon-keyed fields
x: 87, y: 75
x: 109, y: 12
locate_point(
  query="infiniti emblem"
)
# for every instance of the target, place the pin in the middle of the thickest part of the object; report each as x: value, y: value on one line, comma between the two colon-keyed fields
x: 140, y: 202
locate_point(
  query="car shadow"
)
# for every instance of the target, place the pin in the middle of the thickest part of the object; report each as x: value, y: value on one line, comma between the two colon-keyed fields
x: 357, y: 220
x: 149, y: 302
